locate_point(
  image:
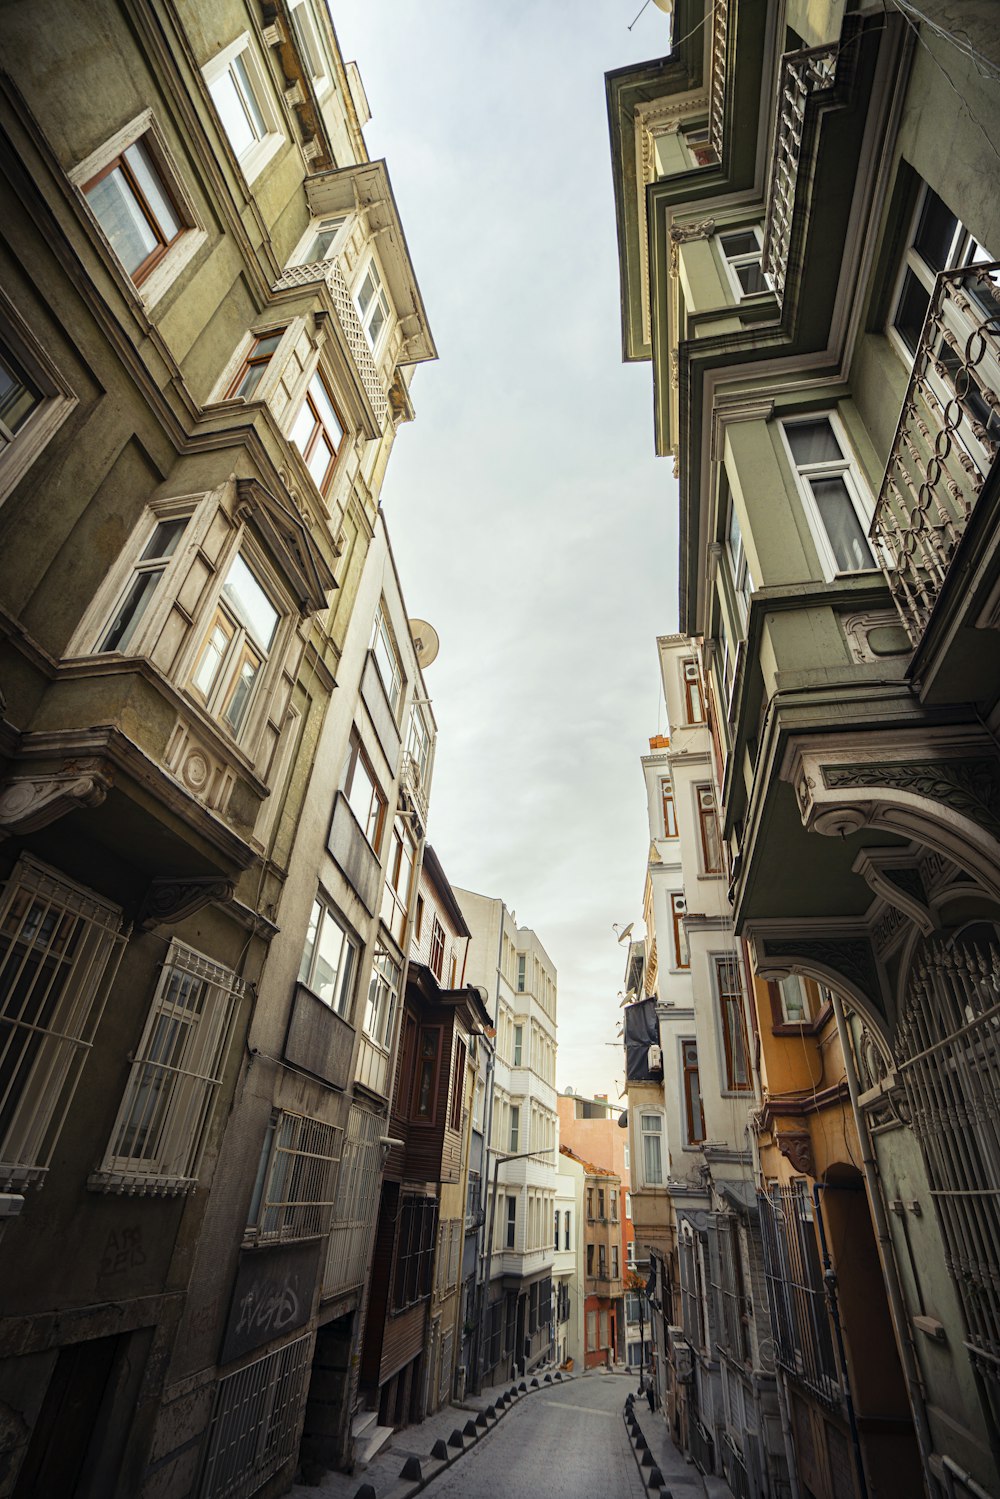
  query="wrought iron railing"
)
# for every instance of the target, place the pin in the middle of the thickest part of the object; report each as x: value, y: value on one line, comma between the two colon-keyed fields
x: 702, y: 1446
x: 796, y: 1292
x: 357, y: 339
x: 717, y: 86
x: 946, y: 441
x: 801, y: 74
x: 414, y: 782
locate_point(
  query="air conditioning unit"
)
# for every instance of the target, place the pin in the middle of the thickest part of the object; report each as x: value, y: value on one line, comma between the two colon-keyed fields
x: 460, y: 1383
x: 654, y: 1059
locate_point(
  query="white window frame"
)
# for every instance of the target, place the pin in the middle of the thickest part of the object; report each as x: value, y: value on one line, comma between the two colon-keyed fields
x: 241, y: 643
x: 379, y: 297
x: 300, y: 255
x: 65, y: 929
x: 347, y: 971
x: 845, y: 468
x: 743, y: 583
x: 193, y: 235
x: 382, y: 1001
x: 20, y: 449
x: 731, y: 263
x: 961, y: 252
x: 302, y: 15
x: 659, y: 1134
x: 383, y: 636
x: 175, y: 1077
x: 254, y: 158
x: 296, y: 1183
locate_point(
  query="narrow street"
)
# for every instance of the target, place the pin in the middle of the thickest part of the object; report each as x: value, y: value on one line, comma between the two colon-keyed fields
x: 570, y: 1440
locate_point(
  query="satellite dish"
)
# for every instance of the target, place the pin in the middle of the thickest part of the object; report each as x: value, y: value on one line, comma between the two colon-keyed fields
x: 425, y: 641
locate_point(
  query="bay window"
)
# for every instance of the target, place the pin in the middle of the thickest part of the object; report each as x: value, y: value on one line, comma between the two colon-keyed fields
x: 694, y: 1114
x: 254, y: 366
x: 145, y: 579
x: 19, y: 397
x: 318, y: 432
x: 236, y: 649
x: 372, y: 303
x: 708, y: 829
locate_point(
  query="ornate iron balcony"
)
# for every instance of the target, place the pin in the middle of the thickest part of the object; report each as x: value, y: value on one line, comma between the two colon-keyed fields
x: 357, y: 339
x: 946, y: 441
x: 801, y: 74
x: 717, y: 90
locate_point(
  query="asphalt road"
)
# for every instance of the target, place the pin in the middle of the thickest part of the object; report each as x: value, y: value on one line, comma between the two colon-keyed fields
x: 560, y: 1443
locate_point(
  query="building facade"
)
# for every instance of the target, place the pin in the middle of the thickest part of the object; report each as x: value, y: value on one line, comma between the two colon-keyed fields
x: 213, y: 716
x: 806, y: 248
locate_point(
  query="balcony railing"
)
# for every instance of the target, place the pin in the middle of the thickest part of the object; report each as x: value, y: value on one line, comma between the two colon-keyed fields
x: 717, y: 96
x: 801, y: 74
x: 357, y: 340
x: 946, y: 441
x: 413, y: 780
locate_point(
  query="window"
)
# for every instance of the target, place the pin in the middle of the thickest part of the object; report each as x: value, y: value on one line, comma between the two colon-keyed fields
x: 58, y: 953
x: 236, y: 650
x: 518, y: 1044
x: 796, y: 1296
x: 293, y: 1196
x: 328, y: 958
x: 602, y: 1261
x: 591, y: 1332
x: 142, y: 585
x: 364, y: 795
x: 555, y: 1241
x: 600, y: 1203
x: 242, y: 100
x: 398, y: 879
x: 697, y: 139
x: 742, y: 580
x: 135, y: 207
x: 794, y: 1000
x: 522, y: 962
x: 590, y: 1259
x: 373, y: 304
x: 437, y: 949
x: 651, y: 1129
x: 255, y: 1421
x: 387, y: 661
x: 311, y: 49
x: 425, y: 1077
x: 833, y: 494
x: 566, y: 1228
x: 708, y: 827
x: 741, y: 252
x: 628, y: 1205
x: 19, y: 397
x: 458, y: 1085
x: 669, y: 811
x: 694, y: 705
x: 418, y: 748
x: 383, y: 990
x: 254, y: 366
x: 937, y: 242
x: 419, y: 919
x: 678, y: 910
x: 515, y: 1126
x: 163, y: 1122
x: 412, y: 1281
x: 694, y: 1116
x: 358, y: 1186
x: 511, y: 1221
x: 317, y: 432
x: 613, y: 1197
x: 590, y: 1203
x: 614, y: 1262
x: 626, y: 1150
x: 734, y: 1035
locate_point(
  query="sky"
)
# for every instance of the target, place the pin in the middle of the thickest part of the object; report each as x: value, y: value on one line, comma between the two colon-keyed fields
x: 532, y: 525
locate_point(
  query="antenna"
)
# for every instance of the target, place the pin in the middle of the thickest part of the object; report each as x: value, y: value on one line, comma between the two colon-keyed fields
x: 426, y: 642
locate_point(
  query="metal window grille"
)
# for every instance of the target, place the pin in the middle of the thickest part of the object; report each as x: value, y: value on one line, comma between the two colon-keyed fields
x: 162, y: 1126
x: 255, y: 1422
x: 799, y: 1319
x: 451, y: 1236
x: 702, y: 1446
x: 355, y: 1204
x: 691, y: 1311
x: 447, y: 1360
x: 726, y: 1280
x: 414, y: 1251
x: 949, y: 1056
x: 298, y: 1194
x: 59, y: 950
x: 545, y: 1302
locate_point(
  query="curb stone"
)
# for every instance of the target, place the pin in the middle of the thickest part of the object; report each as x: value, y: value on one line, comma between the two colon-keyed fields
x: 408, y: 1483
x: 652, y: 1478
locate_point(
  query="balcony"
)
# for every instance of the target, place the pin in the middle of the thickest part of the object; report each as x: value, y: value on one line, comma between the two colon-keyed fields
x: 801, y: 74
x: 945, y: 444
x: 329, y: 272
x: 414, y: 783
x: 717, y: 87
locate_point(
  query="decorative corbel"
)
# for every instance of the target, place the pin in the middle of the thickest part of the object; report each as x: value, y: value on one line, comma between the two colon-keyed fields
x: 168, y: 901
x: 797, y: 1147
x: 31, y: 802
x: 682, y: 234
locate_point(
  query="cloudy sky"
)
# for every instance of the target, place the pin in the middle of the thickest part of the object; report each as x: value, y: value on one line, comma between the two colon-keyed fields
x: 532, y: 524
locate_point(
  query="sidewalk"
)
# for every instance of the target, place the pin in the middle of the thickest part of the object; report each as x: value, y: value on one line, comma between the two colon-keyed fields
x: 681, y: 1478
x: 429, y: 1448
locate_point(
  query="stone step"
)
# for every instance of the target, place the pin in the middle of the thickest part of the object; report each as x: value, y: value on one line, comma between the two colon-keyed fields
x: 376, y: 1438
x: 363, y: 1423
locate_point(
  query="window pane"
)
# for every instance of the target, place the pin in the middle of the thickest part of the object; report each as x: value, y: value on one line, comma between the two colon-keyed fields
x: 123, y: 221
x: 366, y: 293
x: 18, y: 397
x: 840, y: 521
x: 241, y: 694
x: 744, y: 242
x: 151, y: 187
x: 319, y: 460
x: 235, y: 119
x: 935, y: 234
x: 250, y: 104
x: 331, y: 972
x: 813, y: 442
x: 212, y: 656
x: 163, y: 542
x: 303, y: 427
x: 377, y: 322
x: 327, y: 415
x: 911, y: 311
x: 315, y: 918
x: 752, y: 278
x: 251, y: 603
x: 134, y: 605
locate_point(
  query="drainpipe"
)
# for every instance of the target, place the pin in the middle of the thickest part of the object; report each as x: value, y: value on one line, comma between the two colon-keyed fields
x: 887, y: 1256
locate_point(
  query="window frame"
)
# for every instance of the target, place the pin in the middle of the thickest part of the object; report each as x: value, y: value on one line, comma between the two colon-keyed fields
x: 649, y: 1179
x: 383, y: 644
x: 20, y: 448
x: 690, y: 1070
x: 252, y: 159
x: 373, y: 827
x: 732, y: 263
x: 847, y: 469
x: 668, y: 807
x: 319, y: 430
x: 730, y: 1002
x: 160, y: 277
x: 253, y: 360
x: 163, y: 566
x: 402, y: 856
x: 240, y: 646
x: 380, y: 298
x: 426, y: 1067
x: 346, y: 978
x: 436, y: 952
x: 739, y: 567
x: 707, y: 816
x: 294, y: 1200
x: 322, y: 82
x: 963, y: 243
x: 693, y: 689
x: 382, y: 999
x: 678, y: 911
x: 140, y: 200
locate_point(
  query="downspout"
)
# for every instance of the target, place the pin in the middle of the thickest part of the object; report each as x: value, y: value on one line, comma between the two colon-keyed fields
x: 887, y: 1255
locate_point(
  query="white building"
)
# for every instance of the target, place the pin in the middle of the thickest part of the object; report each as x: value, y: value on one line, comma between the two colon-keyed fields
x: 510, y: 963
x: 567, y: 1267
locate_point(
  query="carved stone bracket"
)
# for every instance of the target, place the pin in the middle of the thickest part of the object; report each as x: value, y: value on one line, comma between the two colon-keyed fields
x: 31, y: 802
x: 682, y: 234
x: 899, y: 883
x: 797, y: 1147
x: 168, y: 901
